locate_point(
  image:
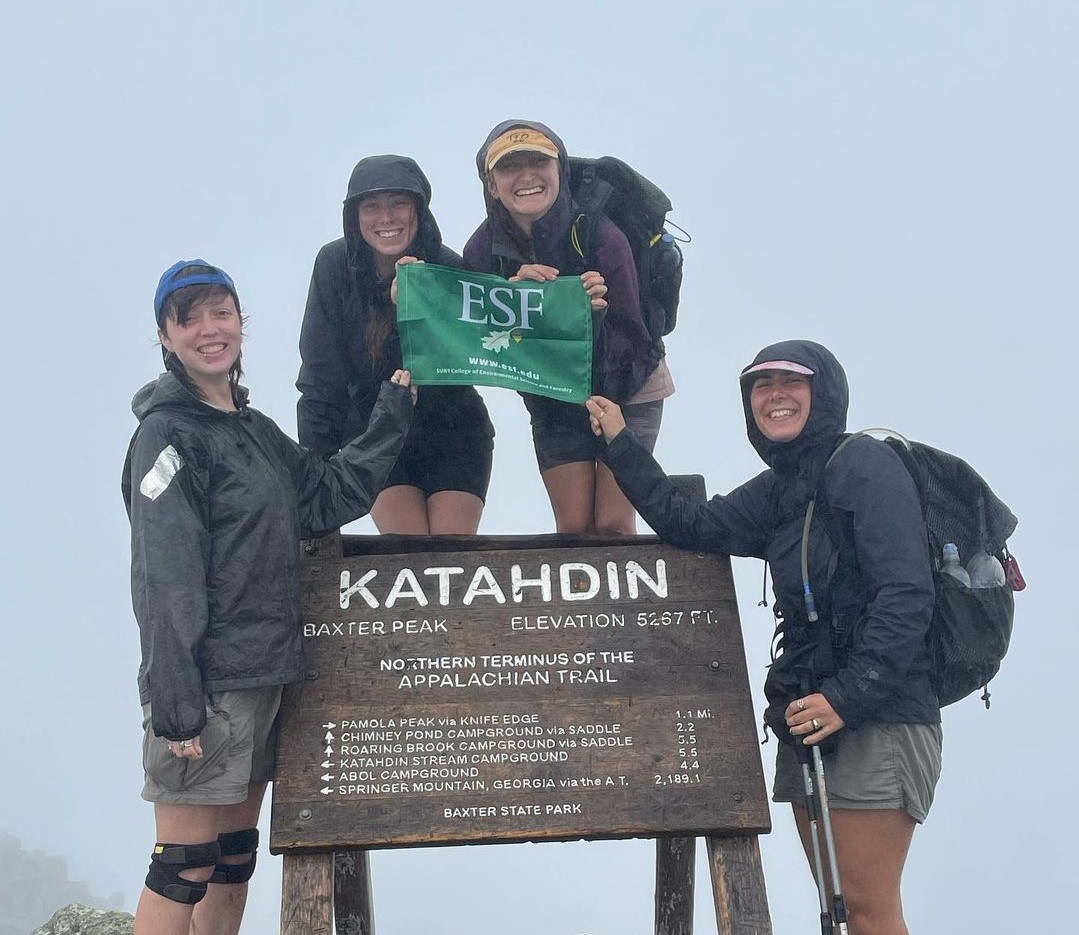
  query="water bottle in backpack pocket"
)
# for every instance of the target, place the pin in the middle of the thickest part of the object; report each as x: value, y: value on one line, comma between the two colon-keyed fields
x: 968, y: 637
x: 950, y: 565
x: 985, y: 571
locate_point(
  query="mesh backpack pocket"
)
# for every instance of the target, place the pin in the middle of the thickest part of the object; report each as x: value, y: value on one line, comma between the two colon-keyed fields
x: 968, y: 637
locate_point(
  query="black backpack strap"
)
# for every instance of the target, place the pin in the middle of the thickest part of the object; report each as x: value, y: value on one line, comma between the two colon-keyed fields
x: 902, y: 447
x: 591, y: 193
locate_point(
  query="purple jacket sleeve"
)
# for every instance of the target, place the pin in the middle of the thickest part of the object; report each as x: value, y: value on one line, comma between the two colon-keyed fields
x: 623, y: 344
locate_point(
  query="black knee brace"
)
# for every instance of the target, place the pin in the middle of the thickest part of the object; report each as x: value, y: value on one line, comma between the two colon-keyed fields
x: 167, y: 863
x: 233, y: 843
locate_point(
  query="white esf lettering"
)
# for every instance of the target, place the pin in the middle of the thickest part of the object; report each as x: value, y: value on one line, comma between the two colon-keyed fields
x: 475, y: 301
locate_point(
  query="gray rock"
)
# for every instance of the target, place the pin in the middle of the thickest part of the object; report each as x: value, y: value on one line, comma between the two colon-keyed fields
x: 82, y: 920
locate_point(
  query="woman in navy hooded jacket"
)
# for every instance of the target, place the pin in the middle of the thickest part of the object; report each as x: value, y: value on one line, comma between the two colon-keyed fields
x: 858, y: 677
x: 349, y: 344
x: 528, y: 234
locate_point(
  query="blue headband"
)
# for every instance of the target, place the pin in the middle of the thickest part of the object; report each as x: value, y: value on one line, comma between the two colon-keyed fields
x: 169, y: 282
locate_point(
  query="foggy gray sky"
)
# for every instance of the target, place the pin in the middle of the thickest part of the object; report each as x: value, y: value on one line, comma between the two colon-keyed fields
x: 894, y: 180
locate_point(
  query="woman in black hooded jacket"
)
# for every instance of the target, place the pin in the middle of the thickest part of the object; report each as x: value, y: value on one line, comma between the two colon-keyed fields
x: 218, y: 497
x: 859, y: 676
x: 349, y: 345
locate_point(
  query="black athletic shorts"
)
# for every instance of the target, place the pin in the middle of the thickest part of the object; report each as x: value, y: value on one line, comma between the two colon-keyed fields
x: 435, y: 460
x: 562, y: 434
x: 449, y: 444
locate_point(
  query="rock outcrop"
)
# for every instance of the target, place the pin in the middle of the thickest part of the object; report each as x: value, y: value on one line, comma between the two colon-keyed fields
x: 83, y: 920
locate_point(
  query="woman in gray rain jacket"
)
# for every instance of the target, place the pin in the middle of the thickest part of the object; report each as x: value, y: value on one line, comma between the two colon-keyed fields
x: 858, y: 678
x: 349, y: 344
x: 219, y: 499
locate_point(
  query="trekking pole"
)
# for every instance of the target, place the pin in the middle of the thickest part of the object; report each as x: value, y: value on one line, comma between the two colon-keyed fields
x: 801, y: 751
x: 838, y: 915
x: 839, y: 905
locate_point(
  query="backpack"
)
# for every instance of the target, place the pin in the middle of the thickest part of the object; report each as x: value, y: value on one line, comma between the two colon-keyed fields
x: 971, y: 627
x: 608, y: 187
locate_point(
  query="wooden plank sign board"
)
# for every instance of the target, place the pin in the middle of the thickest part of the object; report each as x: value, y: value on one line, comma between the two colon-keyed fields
x: 518, y: 694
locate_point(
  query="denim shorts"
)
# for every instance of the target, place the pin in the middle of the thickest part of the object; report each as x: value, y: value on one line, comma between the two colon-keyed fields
x: 562, y: 434
x: 892, y: 766
x: 239, y: 746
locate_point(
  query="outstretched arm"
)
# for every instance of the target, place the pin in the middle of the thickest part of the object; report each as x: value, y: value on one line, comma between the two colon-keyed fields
x: 732, y: 525
x: 333, y: 492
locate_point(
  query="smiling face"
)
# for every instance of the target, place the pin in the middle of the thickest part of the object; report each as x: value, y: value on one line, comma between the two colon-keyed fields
x: 780, y: 402
x: 388, y: 224
x: 527, y: 184
x: 207, y: 343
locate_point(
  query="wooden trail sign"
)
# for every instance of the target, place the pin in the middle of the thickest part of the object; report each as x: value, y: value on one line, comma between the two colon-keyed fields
x: 504, y: 689
x: 592, y: 644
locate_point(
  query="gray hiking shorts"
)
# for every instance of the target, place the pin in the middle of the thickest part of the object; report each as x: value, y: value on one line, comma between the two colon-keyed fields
x: 239, y: 746
x: 878, y: 765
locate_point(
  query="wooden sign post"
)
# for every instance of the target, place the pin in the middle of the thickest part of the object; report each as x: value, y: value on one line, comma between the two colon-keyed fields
x: 496, y: 689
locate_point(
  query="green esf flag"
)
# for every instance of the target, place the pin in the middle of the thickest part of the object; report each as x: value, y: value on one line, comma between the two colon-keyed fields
x: 462, y: 328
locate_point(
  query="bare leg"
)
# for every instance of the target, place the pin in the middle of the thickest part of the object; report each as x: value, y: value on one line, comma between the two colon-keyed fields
x: 401, y: 509
x: 454, y: 513
x: 614, y: 513
x: 871, y: 847
x: 222, y: 910
x: 177, y: 824
x: 571, y: 490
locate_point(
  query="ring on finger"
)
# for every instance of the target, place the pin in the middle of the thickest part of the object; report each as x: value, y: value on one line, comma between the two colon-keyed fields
x: 815, y: 723
x: 801, y: 704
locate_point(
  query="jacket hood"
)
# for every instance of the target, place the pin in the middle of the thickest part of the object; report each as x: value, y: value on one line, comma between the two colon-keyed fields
x: 829, y: 398
x: 504, y: 231
x: 167, y: 392
x: 389, y: 173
